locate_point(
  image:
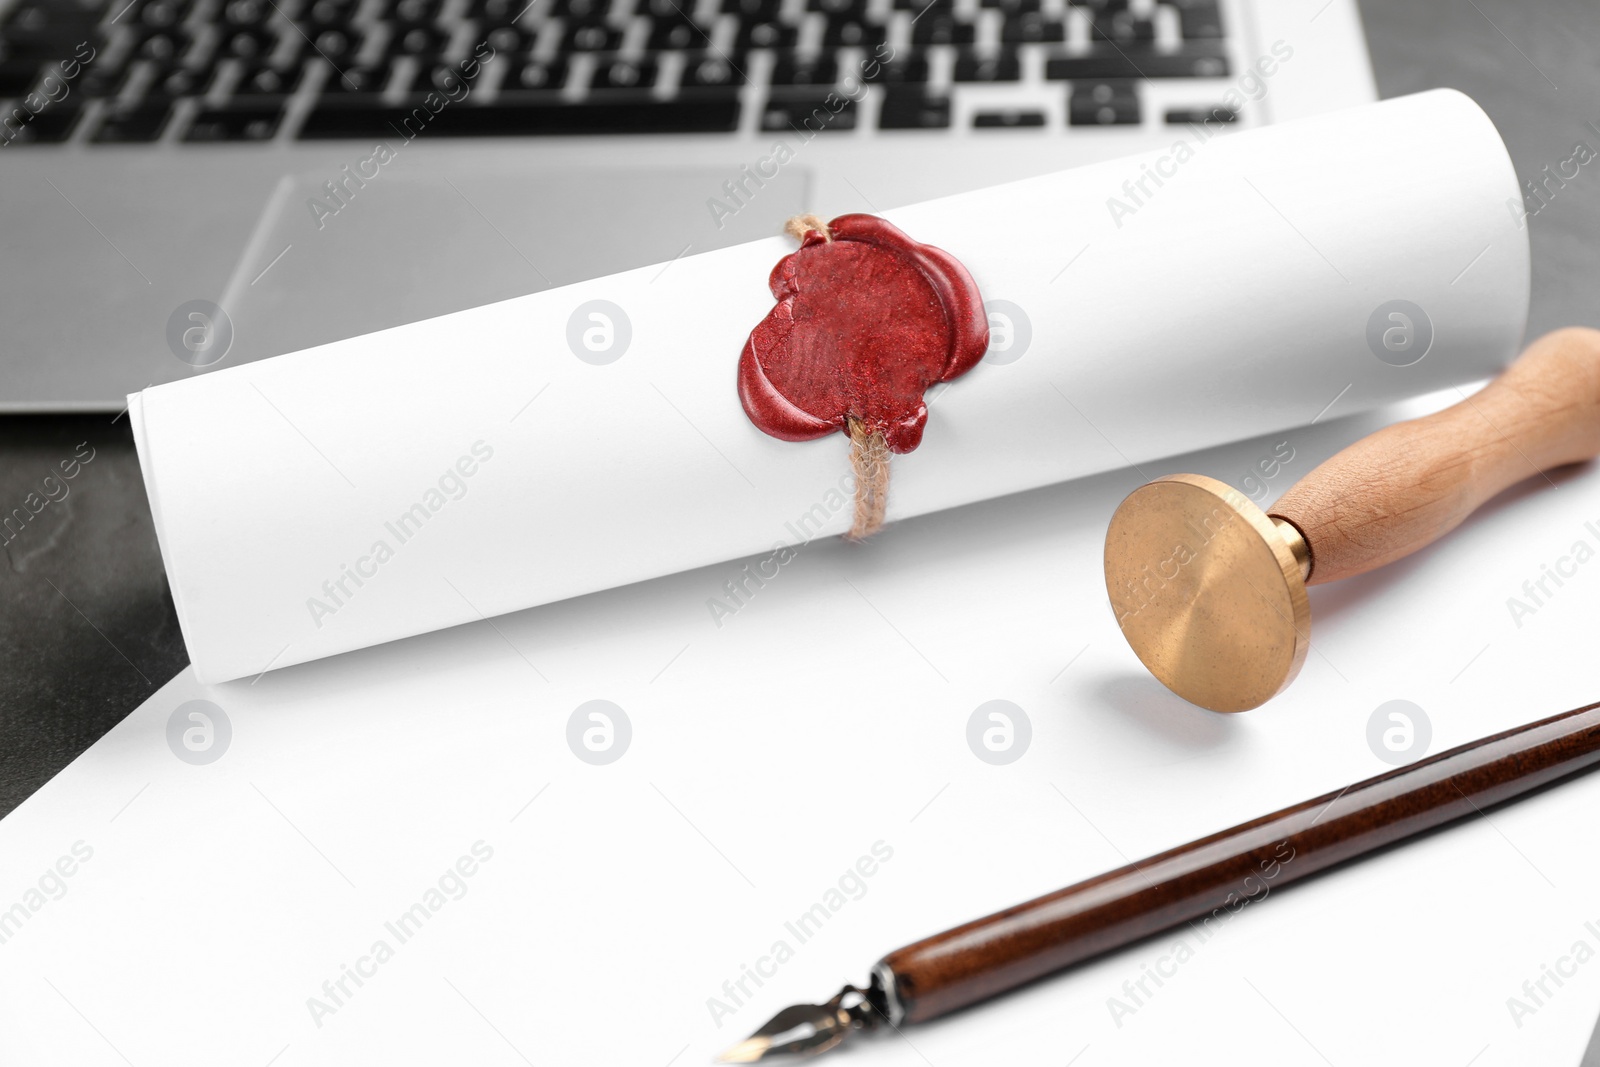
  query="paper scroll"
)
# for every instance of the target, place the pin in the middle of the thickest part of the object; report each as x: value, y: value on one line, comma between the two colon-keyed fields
x: 590, y: 436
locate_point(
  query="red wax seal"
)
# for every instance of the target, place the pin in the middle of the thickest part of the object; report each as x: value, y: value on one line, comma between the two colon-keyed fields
x: 866, y: 321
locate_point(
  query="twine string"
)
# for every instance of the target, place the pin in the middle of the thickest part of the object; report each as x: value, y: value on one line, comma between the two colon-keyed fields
x: 799, y: 225
x: 869, y: 452
x: 869, y: 461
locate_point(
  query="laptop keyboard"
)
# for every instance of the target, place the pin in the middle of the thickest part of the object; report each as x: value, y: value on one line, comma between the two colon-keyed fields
x: 208, y: 71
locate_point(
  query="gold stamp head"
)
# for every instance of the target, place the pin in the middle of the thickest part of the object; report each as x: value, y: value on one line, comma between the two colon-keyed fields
x: 1209, y: 591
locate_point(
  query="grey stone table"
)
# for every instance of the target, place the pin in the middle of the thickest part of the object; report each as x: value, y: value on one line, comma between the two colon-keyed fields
x: 87, y: 628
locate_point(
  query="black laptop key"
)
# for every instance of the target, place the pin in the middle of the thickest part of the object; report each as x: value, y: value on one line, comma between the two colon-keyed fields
x: 322, y: 13
x: 106, y: 83
x: 180, y: 81
x: 814, y: 113
x: 765, y: 33
x: 676, y: 33
x: 138, y: 123
x: 1199, y: 19
x: 901, y: 70
x: 42, y: 28
x: 985, y: 66
x: 1180, y: 116
x: 98, y: 79
x: 850, y: 31
x: 509, y: 116
x: 582, y: 10
x: 536, y: 74
x: 162, y: 46
x: 265, y: 80
x: 1008, y: 119
x: 794, y: 69
x: 509, y: 40
x: 1103, y: 104
x: 52, y: 124
x: 441, y: 77
x: 90, y: 46
x: 423, y: 41
x: 495, y: 12
x: 156, y: 13
x: 709, y: 70
x: 911, y: 109
x: 356, y: 81
x: 251, y: 120
x: 1122, y: 27
x: 412, y: 12
x: 74, y: 67
x: 246, y: 43
x: 592, y: 37
x: 1196, y: 60
x: 337, y: 44
x: 1031, y: 27
x: 346, y: 118
x: 40, y: 16
x: 246, y: 13
x: 17, y: 76
x: 942, y: 29
x: 1012, y: 6
x: 753, y: 10
x: 856, y: 9
x: 624, y: 74
x: 918, y: 7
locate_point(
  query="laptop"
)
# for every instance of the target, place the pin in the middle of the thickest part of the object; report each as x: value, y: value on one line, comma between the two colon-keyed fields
x: 190, y: 184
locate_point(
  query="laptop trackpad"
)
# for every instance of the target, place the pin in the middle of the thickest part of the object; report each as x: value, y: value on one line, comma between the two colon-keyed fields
x: 334, y: 260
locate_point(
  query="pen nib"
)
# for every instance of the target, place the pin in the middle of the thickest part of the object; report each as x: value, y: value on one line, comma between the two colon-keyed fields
x: 806, y: 1029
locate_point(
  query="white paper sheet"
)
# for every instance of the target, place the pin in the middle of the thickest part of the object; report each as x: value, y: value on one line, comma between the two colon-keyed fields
x: 1233, y: 298
x: 766, y: 756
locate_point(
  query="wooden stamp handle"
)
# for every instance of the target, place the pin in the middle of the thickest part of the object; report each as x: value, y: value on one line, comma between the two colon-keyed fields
x: 1399, y: 489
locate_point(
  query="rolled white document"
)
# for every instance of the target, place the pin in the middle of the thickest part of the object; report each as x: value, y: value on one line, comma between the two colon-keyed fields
x: 586, y: 437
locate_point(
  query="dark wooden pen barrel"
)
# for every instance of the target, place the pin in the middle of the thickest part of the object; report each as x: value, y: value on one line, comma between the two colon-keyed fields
x: 1211, y: 876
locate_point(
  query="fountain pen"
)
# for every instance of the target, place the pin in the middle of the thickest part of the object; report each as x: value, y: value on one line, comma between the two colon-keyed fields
x: 1199, y: 881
